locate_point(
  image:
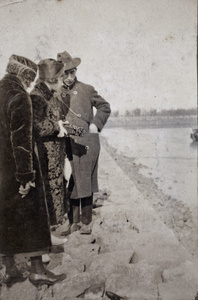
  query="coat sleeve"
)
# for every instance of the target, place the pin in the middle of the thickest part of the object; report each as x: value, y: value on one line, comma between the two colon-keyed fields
x: 43, y: 120
x: 20, y: 117
x: 103, y: 110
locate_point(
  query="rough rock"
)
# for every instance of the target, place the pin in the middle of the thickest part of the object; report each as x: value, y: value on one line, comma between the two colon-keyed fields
x: 185, y: 271
x: 178, y: 289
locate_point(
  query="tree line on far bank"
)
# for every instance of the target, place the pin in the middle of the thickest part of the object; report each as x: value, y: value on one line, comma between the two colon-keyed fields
x: 137, y: 112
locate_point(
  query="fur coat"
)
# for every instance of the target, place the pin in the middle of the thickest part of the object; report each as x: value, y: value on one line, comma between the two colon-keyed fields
x: 24, y: 222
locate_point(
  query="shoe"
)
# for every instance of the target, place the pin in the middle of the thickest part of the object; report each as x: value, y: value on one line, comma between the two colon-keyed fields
x: 71, y: 228
x: 85, y: 229
x: 46, y: 277
x: 9, y: 280
x: 67, y: 231
x: 45, y: 258
x: 14, y: 274
x: 74, y: 227
x: 56, y: 241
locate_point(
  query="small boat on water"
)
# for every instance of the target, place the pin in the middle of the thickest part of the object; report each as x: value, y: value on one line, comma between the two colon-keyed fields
x: 194, y: 135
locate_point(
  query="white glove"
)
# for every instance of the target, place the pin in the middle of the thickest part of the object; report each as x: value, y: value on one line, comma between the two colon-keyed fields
x: 62, y: 130
x: 93, y: 128
x: 24, y: 190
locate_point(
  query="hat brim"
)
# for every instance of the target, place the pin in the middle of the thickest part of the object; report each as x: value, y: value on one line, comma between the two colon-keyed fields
x: 72, y: 64
x: 69, y: 66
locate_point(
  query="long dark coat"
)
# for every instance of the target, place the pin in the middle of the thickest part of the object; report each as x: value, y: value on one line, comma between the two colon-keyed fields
x: 83, y: 152
x: 24, y: 222
x: 47, y: 111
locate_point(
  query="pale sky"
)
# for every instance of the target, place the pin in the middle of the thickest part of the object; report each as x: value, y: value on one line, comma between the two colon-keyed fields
x: 136, y: 53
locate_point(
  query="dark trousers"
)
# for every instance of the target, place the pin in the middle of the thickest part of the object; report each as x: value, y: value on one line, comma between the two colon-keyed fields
x: 86, y: 210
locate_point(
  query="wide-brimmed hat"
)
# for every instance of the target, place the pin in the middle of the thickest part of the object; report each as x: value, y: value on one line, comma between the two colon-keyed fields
x: 68, y: 61
x: 22, y: 66
x: 49, y: 69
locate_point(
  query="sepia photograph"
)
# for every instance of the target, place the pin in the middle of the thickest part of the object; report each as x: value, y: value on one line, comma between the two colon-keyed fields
x: 98, y: 150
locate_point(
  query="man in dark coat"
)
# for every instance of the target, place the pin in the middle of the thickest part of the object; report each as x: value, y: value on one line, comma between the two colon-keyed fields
x: 24, y: 220
x: 83, y: 152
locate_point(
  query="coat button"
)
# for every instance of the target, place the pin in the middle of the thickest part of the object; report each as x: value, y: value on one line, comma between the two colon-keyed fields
x: 63, y: 95
x: 75, y: 92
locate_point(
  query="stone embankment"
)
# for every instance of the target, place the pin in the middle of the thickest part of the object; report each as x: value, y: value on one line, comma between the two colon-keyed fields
x: 131, y: 254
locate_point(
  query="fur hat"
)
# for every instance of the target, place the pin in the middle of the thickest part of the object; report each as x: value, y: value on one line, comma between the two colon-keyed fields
x: 49, y: 69
x: 22, y: 66
x: 68, y: 61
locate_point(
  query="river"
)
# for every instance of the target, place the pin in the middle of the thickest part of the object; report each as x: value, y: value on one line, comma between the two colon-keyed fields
x: 168, y: 154
x: 169, y: 158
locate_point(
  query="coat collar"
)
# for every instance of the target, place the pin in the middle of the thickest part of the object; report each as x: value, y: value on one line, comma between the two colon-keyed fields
x: 70, y: 87
x: 13, y: 79
x: 42, y: 87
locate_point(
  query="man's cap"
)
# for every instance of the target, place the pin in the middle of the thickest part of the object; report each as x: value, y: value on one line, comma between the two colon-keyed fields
x: 68, y: 61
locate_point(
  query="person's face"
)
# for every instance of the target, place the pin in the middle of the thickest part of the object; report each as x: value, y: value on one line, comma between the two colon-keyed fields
x: 27, y: 83
x: 69, y: 76
x: 57, y: 85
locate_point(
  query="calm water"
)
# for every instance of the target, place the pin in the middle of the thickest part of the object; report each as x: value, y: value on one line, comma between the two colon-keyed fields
x: 168, y: 155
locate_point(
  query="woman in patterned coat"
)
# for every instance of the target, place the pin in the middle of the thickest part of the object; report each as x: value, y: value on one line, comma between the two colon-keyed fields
x: 48, y: 110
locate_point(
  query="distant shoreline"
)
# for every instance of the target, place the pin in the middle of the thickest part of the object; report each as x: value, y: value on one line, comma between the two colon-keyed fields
x: 153, y: 122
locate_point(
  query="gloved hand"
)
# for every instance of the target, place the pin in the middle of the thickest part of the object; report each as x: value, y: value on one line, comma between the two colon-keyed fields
x: 93, y: 128
x: 24, y: 189
x: 62, y: 130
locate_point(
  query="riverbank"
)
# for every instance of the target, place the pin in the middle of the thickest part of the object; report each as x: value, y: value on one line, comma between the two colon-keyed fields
x: 153, y: 122
x: 162, y: 163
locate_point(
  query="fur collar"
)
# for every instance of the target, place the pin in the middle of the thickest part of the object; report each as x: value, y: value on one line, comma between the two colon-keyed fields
x: 41, y: 88
x: 13, y: 79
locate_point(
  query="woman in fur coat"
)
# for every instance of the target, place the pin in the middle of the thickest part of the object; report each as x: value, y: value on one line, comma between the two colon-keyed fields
x: 24, y: 220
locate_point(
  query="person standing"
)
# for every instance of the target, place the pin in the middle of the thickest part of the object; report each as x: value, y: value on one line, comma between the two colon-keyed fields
x: 83, y: 152
x: 48, y: 112
x: 24, y: 219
